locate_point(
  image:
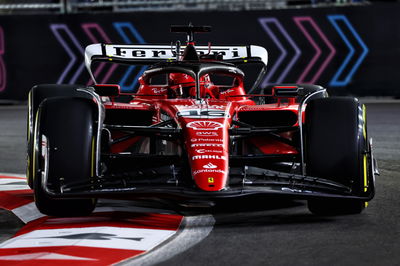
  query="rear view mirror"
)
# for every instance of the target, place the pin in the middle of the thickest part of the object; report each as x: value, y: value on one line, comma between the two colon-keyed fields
x: 286, y: 91
x: 111, y: 90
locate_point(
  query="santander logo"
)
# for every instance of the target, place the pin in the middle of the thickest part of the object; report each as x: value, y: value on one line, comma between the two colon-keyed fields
x: 204, y: 125
x: 209, y: 166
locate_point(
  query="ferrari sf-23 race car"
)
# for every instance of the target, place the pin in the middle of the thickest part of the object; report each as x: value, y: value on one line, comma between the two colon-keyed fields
x: 192, y: 131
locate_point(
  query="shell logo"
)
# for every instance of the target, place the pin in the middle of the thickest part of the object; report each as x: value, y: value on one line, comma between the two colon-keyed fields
x: 204, y: 125
x: 210, y: 166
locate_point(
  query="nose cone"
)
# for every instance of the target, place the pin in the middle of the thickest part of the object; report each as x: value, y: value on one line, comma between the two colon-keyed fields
x: 207, y: 144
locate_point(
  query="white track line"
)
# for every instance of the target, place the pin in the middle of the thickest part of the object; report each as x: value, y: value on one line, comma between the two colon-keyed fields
x: 28, y: 212
x: 13, y: 174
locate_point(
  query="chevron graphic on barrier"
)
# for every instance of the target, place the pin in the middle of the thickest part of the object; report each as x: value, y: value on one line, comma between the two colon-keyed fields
x: 3, y: 72
x: 90, y: 29
x: 121, y: 27
x: 264, y: 23
x: 336, y: 81
x: 318, y: 52
x: 57, y: 30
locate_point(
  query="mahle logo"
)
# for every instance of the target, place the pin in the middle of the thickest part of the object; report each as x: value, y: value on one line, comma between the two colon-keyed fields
x: 217, y: 157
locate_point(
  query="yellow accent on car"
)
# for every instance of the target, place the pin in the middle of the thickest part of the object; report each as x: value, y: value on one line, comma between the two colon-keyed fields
x: 365, y: 174
x: 365, y: 156
x: 210, y: 180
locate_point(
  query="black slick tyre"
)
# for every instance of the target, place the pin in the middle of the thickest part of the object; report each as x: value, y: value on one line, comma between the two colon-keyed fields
x: 335, y: 147
x: 65, y: 135
x: 36, y: 95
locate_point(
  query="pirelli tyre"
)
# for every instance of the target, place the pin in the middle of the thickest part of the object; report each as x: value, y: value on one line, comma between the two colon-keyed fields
x: 36, y: 95
x: 336, y: 148
x: 65, y: 138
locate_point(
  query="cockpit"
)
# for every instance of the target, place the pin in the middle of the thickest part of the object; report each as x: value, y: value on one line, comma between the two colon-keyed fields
x: 195, y: 80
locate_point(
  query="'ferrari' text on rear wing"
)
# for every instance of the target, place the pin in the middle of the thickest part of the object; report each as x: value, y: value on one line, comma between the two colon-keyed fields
x: 150, y: 54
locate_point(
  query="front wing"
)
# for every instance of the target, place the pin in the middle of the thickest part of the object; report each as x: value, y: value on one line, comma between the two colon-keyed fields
x: 243, y: 182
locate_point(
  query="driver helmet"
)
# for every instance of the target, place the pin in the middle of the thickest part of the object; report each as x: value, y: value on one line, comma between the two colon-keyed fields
x: 186, y: 80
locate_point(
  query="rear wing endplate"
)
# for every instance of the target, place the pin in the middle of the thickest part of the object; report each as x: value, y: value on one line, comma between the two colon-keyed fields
x: 151, y: 54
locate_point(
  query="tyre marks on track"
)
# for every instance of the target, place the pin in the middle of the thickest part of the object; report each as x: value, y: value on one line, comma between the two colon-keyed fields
x: 194, y: 230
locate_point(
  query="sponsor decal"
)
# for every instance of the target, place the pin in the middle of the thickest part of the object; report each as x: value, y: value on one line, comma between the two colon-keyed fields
x: 204, y: 125
x: 158, y: 90
x: 202, y: 113
x: 207, y: 145
x: 201, y: 106
x: 206, y: 140
x: 211, y: 180
x: 206, y: 133
x: 165, y: 52
x: 209, y: 166
x: 227, y: 91
x: 208, y: 171
x: 217, y: 157
x: 207, y: 151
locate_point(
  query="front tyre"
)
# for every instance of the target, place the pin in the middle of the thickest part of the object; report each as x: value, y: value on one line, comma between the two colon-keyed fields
x: 36, y: 96
x: 64, y: 151
x: 336, y: 148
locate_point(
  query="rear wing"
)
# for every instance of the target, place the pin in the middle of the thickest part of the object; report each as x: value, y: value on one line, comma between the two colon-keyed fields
x: 148, y: 54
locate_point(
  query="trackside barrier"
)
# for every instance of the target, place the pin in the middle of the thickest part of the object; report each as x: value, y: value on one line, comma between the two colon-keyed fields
x: 351, y: 50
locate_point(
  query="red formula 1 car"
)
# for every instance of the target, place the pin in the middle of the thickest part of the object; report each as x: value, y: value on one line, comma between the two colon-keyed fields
x: 193, y: 131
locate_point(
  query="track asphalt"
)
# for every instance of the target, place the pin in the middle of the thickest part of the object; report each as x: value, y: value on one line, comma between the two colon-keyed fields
x: 273, y: 233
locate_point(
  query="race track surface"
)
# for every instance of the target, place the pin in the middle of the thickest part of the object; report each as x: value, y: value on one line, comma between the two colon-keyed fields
x: 266, y: 233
